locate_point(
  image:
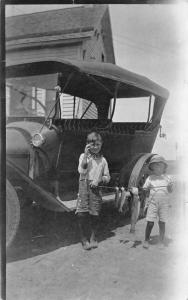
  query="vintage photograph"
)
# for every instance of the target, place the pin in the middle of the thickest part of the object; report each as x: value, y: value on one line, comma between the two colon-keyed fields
x: 96, y: 140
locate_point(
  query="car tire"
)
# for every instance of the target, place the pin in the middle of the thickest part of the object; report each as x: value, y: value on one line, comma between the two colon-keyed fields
x: 134, y: 175
x: 12, y: 213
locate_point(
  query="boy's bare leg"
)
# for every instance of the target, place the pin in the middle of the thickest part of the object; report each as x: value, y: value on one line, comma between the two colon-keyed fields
x: 148, y: 230
x: 94, y: 227
x: 161, y: 231
x: 82, y: 223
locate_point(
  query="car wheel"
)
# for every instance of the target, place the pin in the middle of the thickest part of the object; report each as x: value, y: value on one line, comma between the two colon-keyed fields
x: 135, y: 175
x: 12, y: 213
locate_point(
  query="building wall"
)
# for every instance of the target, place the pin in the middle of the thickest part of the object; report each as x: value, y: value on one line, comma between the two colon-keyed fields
x: 94, y: 48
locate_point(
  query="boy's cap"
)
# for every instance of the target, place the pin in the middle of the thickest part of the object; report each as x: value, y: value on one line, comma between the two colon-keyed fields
x: 157, y: 159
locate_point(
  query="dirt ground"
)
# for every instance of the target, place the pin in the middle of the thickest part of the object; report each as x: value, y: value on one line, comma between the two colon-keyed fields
x: 47, y: 261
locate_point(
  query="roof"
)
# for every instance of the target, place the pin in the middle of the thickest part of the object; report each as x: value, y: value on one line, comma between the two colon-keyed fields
x: 69, y: 23
x: 94, y: 81
x: 52, y: 22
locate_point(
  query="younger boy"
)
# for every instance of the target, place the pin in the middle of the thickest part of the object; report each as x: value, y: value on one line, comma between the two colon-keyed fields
x: 158, y: 186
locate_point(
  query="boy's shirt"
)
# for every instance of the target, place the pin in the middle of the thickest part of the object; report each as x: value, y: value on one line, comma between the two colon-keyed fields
x: 157, y: 186
x: 97, y: 168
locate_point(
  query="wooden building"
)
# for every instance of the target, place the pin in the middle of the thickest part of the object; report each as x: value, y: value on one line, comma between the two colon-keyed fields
x: 82, y: 33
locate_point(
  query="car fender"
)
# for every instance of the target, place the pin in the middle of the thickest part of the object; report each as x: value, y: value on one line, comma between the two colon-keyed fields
x: 39, y: 194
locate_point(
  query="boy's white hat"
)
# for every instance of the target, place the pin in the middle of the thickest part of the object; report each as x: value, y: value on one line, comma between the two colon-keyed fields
x: 156, y: 159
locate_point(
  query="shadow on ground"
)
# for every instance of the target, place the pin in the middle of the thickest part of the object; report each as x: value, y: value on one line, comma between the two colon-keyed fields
x: 155, y: 240
x: 43, y: 231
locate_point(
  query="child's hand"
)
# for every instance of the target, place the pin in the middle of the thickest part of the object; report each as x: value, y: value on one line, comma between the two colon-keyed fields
x: 94, y: 184
x: 104, y: 179
x: 87, y: 147
x: 134, y: 190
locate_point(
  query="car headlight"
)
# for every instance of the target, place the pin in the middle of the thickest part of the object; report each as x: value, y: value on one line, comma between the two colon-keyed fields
x: 37, y: 140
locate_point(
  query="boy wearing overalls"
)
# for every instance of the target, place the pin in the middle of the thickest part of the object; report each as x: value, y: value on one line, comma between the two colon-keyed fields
x: 93, y: 169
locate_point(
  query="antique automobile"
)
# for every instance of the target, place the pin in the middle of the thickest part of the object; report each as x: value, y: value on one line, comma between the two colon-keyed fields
x: 44, y: 143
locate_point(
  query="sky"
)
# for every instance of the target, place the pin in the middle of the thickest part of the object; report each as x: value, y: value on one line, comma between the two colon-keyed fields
x: 151, y: 40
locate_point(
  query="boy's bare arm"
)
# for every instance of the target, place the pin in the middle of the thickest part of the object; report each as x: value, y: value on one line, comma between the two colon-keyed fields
x: 170, y: 184
x: 106, y: 173
x: 170, y: 187
x: 84, y: 163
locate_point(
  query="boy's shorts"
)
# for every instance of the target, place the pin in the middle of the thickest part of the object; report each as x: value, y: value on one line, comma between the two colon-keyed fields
x: 158, y: 207
x: 89, y: 199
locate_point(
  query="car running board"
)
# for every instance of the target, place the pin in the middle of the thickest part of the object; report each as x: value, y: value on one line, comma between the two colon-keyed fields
x: 71, y: 204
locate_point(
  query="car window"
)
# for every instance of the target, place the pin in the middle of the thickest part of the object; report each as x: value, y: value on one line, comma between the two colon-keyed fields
x: 133, y: 109
x: 77, y: 108
x: 29, y: 96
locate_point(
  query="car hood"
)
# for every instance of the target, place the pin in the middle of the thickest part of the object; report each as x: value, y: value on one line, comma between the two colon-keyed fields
x: 18, y: 136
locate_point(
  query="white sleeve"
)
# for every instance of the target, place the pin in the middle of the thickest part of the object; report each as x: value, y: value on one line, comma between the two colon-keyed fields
x: 169, y: 179
x: 147, y: 183
x: 106, y: 174
x: 80, y: 169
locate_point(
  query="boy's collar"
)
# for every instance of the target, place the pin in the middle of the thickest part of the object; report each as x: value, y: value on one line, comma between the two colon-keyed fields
x: 95, y: 155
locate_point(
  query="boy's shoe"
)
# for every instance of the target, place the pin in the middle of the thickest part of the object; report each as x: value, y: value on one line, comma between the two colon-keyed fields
x: 93, y: 244
x: 86, y: 245
x: 146, y: 244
